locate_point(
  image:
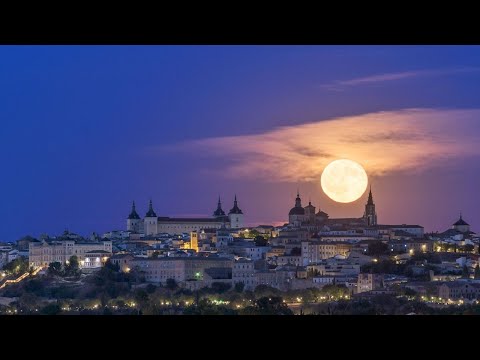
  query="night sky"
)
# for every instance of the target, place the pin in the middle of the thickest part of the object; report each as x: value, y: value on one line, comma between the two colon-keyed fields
x: 87, y: 129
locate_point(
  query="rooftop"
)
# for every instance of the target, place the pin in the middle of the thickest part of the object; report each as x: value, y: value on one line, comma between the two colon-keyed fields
x: 196, y: 220
x: 97, y: 252
x: 189, y: 258
x: 402, y: 226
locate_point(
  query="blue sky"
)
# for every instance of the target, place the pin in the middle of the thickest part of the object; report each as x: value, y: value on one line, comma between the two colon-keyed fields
x: 79, y: 124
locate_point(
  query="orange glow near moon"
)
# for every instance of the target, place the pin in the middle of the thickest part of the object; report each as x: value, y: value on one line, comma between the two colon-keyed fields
x: 344, y: 180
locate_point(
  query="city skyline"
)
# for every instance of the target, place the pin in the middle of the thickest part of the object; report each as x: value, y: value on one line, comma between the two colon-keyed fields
x: 89, y: 129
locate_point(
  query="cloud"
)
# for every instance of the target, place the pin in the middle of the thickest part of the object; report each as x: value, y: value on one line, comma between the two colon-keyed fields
x: 380, y: 78
x: 383, y: 142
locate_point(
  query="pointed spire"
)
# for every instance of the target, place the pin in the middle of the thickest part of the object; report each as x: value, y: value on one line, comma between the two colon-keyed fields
x: 151, y: 212
x: 133, y: 213
x: 370, y: 197
x: 219, y: 212
x: 235, y: 209
x: 298, y: 201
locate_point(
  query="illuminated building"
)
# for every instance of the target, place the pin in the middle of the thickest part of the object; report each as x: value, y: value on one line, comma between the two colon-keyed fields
x: 152, y: 224
x: 89, y: 254
x: 194, y: 241
x: 243, y: 271
x: 369, y: 282
x: 183, y: 269
x: 313, y: 251
x: 456, y: 290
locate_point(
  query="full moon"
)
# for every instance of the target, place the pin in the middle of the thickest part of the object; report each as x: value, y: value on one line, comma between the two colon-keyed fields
x: 344, y: 180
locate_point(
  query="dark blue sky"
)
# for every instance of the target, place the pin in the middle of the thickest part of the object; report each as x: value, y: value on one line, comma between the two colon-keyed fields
x: 78, y: 123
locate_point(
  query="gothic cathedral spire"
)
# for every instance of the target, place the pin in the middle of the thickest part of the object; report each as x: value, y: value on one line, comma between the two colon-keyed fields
x: 370, y: 215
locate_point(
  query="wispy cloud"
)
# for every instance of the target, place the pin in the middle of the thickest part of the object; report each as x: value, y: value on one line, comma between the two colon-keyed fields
x: 380, y: 78
x: 383, y: 142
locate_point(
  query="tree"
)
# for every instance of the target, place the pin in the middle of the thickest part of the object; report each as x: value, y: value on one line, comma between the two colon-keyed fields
x: 260, y: 241
x: 465, y: 272
x: 409, y: 292
x: 263, y: 290
x: 17, y: 266
x: 206, y: 307
x: 476, y: 274
x: 171, y: 284
x: 55, y: 269
x: 272, y: 306
x: 51, y: 309
x: 35, y: 286
x: 72, y: 268
x: 141, y: 297
x: 335, y: 291
x: 468, y: 248
x: 219, y: 287
x: 150, y: 288
x: 27, y: 302
x: 376, y: 248
x: 112, y: 266
x: 239, y: 286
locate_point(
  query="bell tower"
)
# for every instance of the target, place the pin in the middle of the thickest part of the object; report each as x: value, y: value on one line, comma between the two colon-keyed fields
x: 370, y: 214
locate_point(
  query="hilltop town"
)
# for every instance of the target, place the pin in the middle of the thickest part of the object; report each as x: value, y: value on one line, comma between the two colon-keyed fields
x: 312, y: 264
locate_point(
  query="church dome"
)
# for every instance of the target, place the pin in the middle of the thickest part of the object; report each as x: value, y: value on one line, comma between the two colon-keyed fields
x: 297, y: 211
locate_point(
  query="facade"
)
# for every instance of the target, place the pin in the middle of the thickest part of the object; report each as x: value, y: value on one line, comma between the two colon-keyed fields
x: 183, y: 269
x: 123, y: 261
x: 152, y: 224
x: 388, y: 231
x: 456, y: 290
x: 334, y: 268
x: 277, y: 278
x: 89, y: 254
x: 7, y: 255
x: 243, y: 271
x: 411, y: 246
x: 222, y: 238
x: 194, y: 240
x: 369, y: 282
x: 352, y: 238
x: 287, y: 260
x: 314, y: 251
x: 94, y: 259
x: 256, y: 252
